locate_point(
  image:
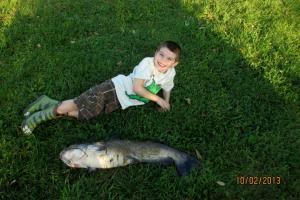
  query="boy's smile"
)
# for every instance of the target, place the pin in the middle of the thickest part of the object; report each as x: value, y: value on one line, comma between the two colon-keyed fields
x: 164, y: 59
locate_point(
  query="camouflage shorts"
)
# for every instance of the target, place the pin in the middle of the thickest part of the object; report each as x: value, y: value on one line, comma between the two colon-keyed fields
x: 97, y: 99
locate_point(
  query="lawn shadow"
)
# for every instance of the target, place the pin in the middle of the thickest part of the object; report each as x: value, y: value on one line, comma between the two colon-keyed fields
x: 230, y: 113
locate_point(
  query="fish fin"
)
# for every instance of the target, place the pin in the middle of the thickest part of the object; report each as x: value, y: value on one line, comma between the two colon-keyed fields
x: 131, y: 159
x: 99, y: 146
x: 99, y: 143
x: 184, y: 166
x: 92, y: 169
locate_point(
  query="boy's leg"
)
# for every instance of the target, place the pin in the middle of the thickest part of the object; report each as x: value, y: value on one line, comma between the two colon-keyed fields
x: 66, y: 108
x: 84, y: 107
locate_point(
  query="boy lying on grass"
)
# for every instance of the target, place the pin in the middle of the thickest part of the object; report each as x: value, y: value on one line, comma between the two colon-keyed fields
x: 138, y: 88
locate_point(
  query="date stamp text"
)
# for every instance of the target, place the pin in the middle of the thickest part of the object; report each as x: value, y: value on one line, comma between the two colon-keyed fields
x: 258, y: 180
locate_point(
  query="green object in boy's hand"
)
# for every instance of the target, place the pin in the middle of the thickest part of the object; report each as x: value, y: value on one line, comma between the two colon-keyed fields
x: 153, y: 88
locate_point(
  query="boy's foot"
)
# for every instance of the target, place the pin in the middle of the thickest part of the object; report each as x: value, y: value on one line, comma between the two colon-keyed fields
x: 41, y: 103
x: 29, y: 124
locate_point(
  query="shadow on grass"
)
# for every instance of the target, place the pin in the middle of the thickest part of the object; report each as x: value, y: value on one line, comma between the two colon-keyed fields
x: 241, y: 126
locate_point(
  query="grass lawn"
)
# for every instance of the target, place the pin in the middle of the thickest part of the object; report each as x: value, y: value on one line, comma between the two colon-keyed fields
x: 236, y: 97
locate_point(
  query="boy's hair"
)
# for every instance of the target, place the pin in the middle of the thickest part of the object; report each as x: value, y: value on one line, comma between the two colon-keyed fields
x: 172, y: 46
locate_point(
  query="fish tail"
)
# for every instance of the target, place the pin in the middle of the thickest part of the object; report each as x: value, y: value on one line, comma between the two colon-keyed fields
x: 186, y: 164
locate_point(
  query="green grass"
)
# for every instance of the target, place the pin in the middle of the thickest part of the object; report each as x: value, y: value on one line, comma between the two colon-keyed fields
x: 239, y: 67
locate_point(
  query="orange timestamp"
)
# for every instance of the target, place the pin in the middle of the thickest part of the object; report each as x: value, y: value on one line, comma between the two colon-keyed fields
x: 258, y: 180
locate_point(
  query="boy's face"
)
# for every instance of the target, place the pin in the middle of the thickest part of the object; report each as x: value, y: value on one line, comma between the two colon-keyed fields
x: 164, y: 59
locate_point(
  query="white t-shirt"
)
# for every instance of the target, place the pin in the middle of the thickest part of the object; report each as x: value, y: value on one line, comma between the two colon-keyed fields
x: 144, y: 70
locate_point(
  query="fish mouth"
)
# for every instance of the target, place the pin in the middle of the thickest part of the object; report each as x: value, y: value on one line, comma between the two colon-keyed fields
x: 61, y: 155
x: 67, y: 162
x: 70, y: 164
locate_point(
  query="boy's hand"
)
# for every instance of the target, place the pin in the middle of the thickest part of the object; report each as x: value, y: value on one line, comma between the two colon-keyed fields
x: 165, y: 106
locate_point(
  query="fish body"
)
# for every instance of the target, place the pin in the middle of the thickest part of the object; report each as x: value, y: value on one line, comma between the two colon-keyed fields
x: 116, y: 153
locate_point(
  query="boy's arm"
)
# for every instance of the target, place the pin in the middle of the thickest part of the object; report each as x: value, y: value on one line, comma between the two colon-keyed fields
x: 138, y: 88
x: 167, y: 95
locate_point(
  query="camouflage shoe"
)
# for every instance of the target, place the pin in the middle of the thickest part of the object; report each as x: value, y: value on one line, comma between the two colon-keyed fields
x: 41, y: 103
x: 31, y: 122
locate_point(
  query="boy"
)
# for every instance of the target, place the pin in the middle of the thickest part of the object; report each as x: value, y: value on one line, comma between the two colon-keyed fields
x: 138, y: 88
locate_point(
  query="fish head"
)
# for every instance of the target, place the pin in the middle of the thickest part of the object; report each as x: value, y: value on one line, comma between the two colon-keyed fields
x: 84, y: 155
x: 75, y: 156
